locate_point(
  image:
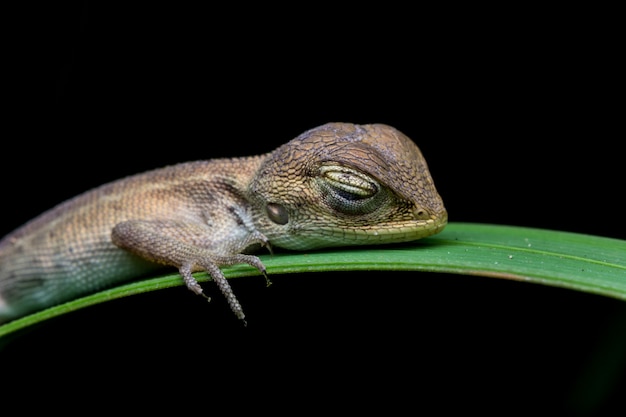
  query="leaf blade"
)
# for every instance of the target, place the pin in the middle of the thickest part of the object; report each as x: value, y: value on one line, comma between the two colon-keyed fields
x: 580, y: 262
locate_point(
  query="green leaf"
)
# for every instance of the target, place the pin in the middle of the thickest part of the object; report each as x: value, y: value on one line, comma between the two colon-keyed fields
x: 580, y: 262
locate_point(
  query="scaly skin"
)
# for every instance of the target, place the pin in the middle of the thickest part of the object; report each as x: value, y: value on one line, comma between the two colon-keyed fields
x: 336, y: 185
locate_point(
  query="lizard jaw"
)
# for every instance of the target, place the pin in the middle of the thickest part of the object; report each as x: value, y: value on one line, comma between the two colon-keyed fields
x: 397, y: 232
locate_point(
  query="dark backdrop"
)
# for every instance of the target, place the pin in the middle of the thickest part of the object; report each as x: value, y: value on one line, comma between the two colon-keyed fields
x: 517, y: 120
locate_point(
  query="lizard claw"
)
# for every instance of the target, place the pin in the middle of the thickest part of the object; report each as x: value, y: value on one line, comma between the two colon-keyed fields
x: 267, y: 278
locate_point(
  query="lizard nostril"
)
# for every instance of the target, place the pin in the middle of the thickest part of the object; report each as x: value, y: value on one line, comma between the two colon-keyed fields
x: 420, y: 213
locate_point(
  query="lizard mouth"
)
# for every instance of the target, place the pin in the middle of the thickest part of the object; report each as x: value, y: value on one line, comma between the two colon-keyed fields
x: 324, y: 236
x: 400, y: 231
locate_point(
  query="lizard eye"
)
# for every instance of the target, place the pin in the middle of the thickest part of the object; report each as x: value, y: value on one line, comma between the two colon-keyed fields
x: 348, y: 190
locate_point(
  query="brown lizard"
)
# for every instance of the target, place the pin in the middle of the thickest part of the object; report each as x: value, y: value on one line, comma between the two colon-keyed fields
x: 339, y: 184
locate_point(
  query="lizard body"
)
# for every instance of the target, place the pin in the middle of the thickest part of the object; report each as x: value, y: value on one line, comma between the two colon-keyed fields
x: 336, y: 185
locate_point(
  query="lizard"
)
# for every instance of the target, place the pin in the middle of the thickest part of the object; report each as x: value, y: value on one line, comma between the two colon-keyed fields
x: 338, y: 184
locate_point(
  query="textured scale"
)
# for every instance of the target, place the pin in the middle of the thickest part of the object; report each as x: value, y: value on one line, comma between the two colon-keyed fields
x: 336, y: 185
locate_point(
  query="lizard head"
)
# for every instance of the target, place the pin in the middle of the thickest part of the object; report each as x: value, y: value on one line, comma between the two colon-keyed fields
x: 342, y: 184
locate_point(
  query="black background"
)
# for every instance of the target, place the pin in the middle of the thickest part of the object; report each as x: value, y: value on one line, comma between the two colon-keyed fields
x: 519, y: 122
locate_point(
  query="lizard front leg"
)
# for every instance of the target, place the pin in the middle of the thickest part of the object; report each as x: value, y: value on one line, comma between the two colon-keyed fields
x: 190, y: 247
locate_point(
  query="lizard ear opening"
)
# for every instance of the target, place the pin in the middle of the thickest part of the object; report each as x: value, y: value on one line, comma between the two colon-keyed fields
x: 277, y: 213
